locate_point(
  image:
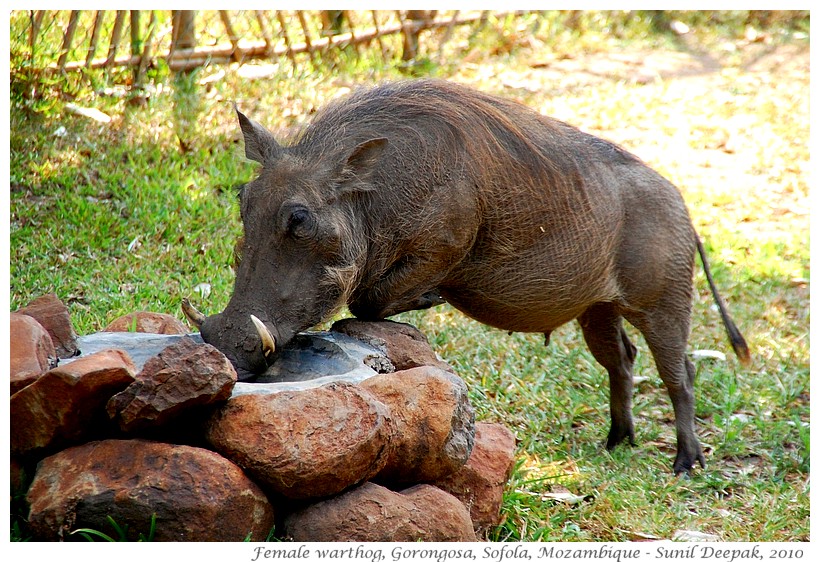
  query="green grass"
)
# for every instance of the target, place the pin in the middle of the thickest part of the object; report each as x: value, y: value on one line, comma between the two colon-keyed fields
x: 135, y: 214
x: 120, y: 532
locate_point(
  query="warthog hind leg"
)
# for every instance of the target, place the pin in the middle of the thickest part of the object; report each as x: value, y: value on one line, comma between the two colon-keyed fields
x: 666, y: 328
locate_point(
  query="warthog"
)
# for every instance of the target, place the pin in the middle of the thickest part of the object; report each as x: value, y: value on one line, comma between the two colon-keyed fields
x: 415, y: 193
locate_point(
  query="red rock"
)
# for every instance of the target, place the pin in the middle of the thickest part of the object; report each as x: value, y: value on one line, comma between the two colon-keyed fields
x: 308, y: 443
x: 196, y: 494
x: 372, y: 513
x: 147, y: 322
x: 53, y: 315
x: 435, y: 424
x: 32, y: 352
x: 480, y: 483
x: 404, y: 345
x: 182, y: 377
x: 64, y: 406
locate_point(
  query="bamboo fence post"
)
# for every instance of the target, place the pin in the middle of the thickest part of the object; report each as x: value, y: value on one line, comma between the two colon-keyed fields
x: 306, y: 31
x: 95, y: 37
x: 145, y: 58
x: 232, y: 37
x: 266, y: 36
x: 485, y: 16
x: 448, y: 33
x: 288, y: 47
x: 183, y: 35
x: 68, y: 38
x: 378, y: 34
x: 403, y: 25
x: 353, y: 40
x: 418, y: 20
x: 116, y: 35
x: 184, y: 30
x: 136, y: 39
x: 36, y: 21
x: 332, y: 21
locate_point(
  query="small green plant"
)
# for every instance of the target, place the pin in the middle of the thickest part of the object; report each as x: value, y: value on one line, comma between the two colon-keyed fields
x: 270, y: 537
x: 19, y: 505
x: 120, y: 532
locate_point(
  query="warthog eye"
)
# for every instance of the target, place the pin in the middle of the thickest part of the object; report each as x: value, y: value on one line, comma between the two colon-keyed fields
x: 300, y: 223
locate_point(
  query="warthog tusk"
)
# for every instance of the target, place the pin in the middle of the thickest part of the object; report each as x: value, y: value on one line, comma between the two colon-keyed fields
x: 192, y: 314
x: 268, y: 343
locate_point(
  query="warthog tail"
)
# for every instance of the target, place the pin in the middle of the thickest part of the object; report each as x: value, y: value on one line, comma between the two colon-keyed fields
x: 735, y: 337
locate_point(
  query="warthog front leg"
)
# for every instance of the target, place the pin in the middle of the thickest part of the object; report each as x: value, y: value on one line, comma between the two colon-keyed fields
x: 409, y: 285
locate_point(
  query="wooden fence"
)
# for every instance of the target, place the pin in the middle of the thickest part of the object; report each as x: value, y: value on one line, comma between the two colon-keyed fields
x: 66, y: 41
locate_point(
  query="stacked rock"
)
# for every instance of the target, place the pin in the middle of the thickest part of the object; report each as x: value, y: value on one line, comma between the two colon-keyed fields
x: 170, y: 448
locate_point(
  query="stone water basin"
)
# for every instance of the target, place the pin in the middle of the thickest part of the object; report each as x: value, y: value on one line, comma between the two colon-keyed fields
x: 311, y: 360
x: 358, y: 402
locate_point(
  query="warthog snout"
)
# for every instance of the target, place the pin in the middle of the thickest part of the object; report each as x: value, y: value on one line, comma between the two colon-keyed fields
x: 250, y: 347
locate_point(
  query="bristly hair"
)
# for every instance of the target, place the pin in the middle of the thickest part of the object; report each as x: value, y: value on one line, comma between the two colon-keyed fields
x: 345, y: 274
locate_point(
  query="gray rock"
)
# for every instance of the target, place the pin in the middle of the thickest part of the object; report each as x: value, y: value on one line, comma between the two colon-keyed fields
x: 140, y: 346
x: 314, y: 359
x: 311, y: 360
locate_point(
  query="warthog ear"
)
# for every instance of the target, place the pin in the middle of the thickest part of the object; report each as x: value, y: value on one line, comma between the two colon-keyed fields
x: 356, y: 170
x: 260, y: 145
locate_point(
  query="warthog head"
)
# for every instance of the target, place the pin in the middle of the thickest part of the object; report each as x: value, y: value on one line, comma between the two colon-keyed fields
x: 302, y: 249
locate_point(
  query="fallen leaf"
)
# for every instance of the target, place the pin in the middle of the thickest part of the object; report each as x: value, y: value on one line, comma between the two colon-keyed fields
x: 89, y: 112
x: 565, y: 497
x: 708, y: 354
x: 639, y: 536
x: 256, y: 71
x: 684, y: 535
x: 215, y: 77
x: 204, y: 289
x: 134, y: 244
x: 679, y: 27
